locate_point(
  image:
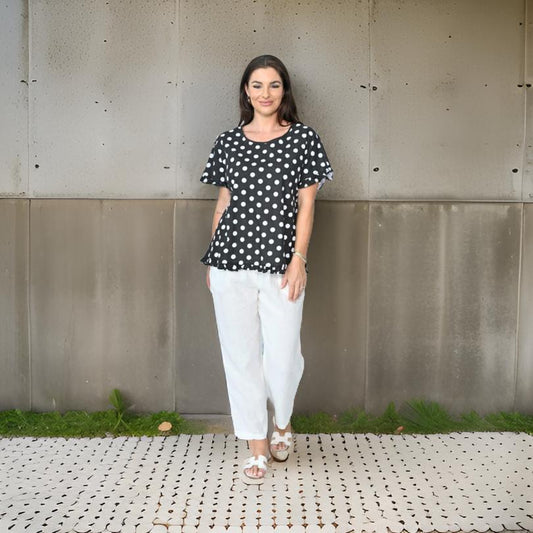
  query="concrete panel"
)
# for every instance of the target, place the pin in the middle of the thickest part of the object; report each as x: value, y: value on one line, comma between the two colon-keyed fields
x: 527, y: 195
x: 325, y: 48
x: 200, y: 382
x: 335, y: 310
x: 443, y: 285
x: 441, y: 71
x: 14, y: 98
x: 524, y: 386
x: 103, y: 100
x: 14, y: 348
x: 101, y: 303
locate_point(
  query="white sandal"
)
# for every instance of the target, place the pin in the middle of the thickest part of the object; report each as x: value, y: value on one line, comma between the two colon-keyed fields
x: 261, y: 462
x: 283, y: 454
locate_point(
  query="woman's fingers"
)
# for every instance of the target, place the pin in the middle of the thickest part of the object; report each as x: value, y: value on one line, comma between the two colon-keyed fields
x: 292, y: 290
x: 295, y: 276
x: 295, y: 290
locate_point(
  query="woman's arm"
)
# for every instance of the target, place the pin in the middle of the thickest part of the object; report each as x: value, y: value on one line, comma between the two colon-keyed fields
x: 295, y: 274
x: 224, y: 197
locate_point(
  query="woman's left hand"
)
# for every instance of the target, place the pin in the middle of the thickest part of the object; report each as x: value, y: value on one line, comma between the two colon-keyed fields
x: 296, y: 277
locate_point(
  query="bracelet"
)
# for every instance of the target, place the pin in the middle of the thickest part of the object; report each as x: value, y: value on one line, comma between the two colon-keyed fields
x: 301, y: 256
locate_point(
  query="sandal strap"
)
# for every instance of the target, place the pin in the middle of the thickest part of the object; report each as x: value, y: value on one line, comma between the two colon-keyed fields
x: 278, y: 439
x: 261, y: 462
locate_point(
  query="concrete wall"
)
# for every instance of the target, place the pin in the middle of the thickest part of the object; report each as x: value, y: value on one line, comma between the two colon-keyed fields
x: 422, y: 253
x: 414, y: 100
x: 404, y: 300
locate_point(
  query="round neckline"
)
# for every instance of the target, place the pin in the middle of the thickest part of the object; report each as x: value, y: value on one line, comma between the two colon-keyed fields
x: 270, y: 140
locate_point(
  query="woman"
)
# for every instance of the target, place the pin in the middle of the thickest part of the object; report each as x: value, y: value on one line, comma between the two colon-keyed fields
x: 268, y: 170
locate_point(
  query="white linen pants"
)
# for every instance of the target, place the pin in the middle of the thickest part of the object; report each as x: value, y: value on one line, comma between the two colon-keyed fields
x: 259, y: 332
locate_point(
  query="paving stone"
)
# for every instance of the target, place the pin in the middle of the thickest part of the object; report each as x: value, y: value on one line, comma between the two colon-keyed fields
x: 83, y: 527
x: 341, y: 528
x: 313, y: 528
x: 115, y: 526
x: 98, y: 525
x: 345, y: 482
x: 527, y: 523
x: 144, y: 527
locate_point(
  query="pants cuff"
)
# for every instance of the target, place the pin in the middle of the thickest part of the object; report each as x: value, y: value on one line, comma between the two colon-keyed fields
x: 249, y: 436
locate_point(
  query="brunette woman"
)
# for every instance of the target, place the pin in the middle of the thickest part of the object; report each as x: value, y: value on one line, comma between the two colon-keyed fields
x: 268, y: 170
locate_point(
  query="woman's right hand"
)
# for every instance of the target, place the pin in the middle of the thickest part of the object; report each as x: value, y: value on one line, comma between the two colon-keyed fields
x: 208, y: 281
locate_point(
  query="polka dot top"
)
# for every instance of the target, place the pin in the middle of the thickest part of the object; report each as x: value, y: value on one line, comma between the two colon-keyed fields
x: 257, y: 231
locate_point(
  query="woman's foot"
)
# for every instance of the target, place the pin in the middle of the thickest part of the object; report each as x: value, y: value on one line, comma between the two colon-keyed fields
x: 257, y: 447
x: 280, y: 442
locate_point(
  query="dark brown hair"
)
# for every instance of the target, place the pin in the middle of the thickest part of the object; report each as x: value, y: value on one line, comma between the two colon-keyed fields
x: 287, y: 109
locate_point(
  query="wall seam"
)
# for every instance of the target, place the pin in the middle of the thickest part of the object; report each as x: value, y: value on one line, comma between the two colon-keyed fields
x: 367, y: 274
x: 522, y: 214
x: 28, y: 310
x: 367, y: 308
x: 525, y: 88
x: 29, y: 256
x: 174, y: 310
x: 177, y: 20
x: 518, y: 302
x: 174, y: 348
x: 28, y: 85
x: 368, y: 175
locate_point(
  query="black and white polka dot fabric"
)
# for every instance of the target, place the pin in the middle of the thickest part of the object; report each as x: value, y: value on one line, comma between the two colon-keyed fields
x: 257, y: 230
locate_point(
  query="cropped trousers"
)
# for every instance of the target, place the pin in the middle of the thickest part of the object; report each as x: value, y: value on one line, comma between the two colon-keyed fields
x: 259, y: 332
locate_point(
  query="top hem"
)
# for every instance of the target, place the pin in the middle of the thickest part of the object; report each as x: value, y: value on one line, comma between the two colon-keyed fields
x: 235, y: 268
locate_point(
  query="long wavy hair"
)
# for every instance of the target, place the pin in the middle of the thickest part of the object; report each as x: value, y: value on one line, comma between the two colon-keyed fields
x: 287, y: 109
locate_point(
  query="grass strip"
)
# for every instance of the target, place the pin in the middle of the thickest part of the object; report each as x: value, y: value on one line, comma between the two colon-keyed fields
x: 17, y: 423
x: 415, y: 416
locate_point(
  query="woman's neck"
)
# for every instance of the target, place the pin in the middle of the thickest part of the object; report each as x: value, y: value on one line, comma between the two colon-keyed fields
x: 261, y: 124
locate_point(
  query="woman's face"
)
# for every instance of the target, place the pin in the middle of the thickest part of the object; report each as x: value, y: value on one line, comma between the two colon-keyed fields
x: 265, y: 90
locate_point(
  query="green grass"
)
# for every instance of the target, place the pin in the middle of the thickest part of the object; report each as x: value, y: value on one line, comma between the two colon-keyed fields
x: 17, y: 423
x: 416, y: 416
x: 113, y: 422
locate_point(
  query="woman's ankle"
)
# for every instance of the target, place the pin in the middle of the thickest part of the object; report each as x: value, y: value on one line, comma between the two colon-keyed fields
x: 258, y: 446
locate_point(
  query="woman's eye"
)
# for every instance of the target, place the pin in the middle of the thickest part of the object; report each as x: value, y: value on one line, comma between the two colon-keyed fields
x: 256, y: 86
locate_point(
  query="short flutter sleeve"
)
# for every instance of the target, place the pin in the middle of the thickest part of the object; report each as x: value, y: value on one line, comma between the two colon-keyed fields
x: 316, y: 167
x: 215, y: 169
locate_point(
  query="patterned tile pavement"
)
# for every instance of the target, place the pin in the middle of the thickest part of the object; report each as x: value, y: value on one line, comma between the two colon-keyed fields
x: 331, y: 483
